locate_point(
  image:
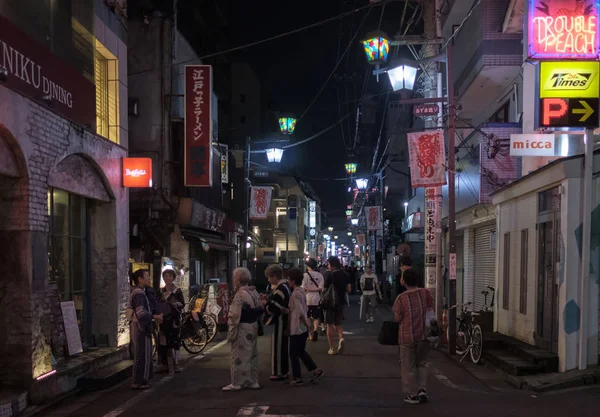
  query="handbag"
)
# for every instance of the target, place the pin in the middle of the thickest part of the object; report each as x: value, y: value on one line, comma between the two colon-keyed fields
x: 388, y: 335
x: 329, y: 299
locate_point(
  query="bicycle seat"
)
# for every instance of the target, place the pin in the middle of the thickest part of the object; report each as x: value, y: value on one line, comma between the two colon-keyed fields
x: 485, y: 292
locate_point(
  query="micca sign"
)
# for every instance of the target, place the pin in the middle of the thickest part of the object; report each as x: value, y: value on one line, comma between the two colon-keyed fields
x: 531, y: 145
x: 137, y: 172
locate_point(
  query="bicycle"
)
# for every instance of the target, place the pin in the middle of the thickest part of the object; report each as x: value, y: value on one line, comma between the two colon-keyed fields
x: 469, y: 337
x: 210, y: 324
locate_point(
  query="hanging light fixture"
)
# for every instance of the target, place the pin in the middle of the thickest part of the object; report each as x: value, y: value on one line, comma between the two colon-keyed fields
x: 350, y: 168
x: 377, y: 47
x: 362, y: 183
x: 287, y: 125
x: 348, y: 212
x: 354, y: 222
x: 274, y: 155
x: 402, y: 76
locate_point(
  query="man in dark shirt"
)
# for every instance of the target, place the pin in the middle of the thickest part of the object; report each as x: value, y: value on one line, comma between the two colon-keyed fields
x: 334, y: 318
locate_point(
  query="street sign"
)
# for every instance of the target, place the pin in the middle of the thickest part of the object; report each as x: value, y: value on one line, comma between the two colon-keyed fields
x: 426, y: 109
x: 568, y: 112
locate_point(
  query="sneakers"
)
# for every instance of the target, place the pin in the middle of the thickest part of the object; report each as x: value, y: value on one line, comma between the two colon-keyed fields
x: 296, y: 382
x: 254, y: 386
x: 232, y: 388
x: 423, y: 397
x: 341, y: 346
x: 332, y: 352
x: 411, y: 399
x: 317, y: 376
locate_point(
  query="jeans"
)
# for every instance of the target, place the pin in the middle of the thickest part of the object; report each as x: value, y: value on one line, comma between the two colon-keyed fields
x: 298, y: 353
x: 414, y: 366
x: 370, y: 301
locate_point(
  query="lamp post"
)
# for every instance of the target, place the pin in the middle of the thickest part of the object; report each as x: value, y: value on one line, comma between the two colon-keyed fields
x: 287, y: 125
x: 362, y: 183
x: 351, y: 168
x: 274, y: 155
x: 402, y: 76
x: 377, y: 47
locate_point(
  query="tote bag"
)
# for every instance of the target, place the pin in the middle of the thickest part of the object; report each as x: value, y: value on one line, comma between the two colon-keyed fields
x: 388, y: 335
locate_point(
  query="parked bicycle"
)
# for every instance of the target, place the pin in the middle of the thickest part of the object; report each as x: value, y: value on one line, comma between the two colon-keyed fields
x: 469, y: 337
x: 485, y: 294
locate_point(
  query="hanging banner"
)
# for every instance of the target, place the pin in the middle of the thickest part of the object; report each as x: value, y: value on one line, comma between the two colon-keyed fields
x: 198, y: 126
x: 260, y: 202
x: 430, y: 221
x: 373, y: 215
x: 356, y: 251
x: 321, y: 249
x: 427, y: 158
x: 361, y: 240
x: 224, y: 164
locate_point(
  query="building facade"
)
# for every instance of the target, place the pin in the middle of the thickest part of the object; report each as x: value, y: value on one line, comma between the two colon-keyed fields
x: 63, y: 207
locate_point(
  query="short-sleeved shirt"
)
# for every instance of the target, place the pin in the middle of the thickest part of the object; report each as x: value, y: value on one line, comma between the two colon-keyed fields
x: 368, y: 282
x: 339, y: 279
x: 312, y: 297
x: 412, y: 306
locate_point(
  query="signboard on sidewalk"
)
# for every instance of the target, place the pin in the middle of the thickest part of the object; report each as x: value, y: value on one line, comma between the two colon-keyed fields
x: 198, y: 126
x: 71, y: 327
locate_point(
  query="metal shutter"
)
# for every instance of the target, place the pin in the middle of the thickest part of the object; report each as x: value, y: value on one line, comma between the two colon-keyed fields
x: 485, y: 265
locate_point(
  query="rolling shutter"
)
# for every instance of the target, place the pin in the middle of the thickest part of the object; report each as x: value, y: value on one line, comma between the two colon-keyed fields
x: 485, y: 265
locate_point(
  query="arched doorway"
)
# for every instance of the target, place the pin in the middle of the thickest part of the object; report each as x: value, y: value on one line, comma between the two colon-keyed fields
x: 15, y: 258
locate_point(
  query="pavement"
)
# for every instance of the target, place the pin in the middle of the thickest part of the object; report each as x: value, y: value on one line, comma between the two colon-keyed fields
x: 364, y: 381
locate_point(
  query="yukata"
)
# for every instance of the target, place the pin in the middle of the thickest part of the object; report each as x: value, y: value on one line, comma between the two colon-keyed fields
x: 243, y: 337
x: 170, y: 329
x: 141, y: 335
x: 279, y: 300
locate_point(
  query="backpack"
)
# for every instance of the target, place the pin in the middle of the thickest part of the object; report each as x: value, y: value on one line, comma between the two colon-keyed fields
x: 369, y: 284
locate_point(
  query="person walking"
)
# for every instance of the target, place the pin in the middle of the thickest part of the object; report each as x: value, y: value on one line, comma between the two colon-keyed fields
x: 405, y: 264
x: 244, y: 313
x: 335, y: 317
x: 276, y: 306
x: 313, y: 285
x: 410, y: 311
x: 140, y: 313
x: 369, y: 285
x: 170, y: 329
x: 298, y: 329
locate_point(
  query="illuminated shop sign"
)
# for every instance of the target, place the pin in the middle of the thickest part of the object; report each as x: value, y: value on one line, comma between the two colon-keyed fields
x: 569, y: 79
x: 137, y: 172
x: 568, y: 112
x: 531, y: 145
x: 563, y: 28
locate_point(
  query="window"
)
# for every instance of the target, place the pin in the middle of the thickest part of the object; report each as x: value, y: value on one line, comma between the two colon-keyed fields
x: 68, y: 252
x: 106, y: 76
x: 549, y: 200
x: 501, y: 115
x: 243, y: 120
x: 243, y: 98
x: 523, y: 277
x: 506, y: 272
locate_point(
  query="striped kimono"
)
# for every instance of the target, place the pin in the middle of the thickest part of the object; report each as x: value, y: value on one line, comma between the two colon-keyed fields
x: 141, y: 335
x: 278, y: 300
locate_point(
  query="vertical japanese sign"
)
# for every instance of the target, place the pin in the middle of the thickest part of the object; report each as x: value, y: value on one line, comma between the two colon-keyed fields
x: 356, y: 251
x: 427, y: 158
x: 452, y: 269
x: 361, y: 240
x: 373, y: 215
x: 430, y: 221
x: 260, y: 202
x: 224, y: 164
x: 198, y: 126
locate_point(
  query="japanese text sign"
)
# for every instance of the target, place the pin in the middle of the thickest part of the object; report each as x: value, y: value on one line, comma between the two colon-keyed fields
x: 563, y: 28
x: 137, y: 172
x: 452, y: 269
x: 198, y: 126
x: 427, y: 158
x: 361, y: 240
x: 373, y: 215
x: 260, y: 202
x: 430, y: 221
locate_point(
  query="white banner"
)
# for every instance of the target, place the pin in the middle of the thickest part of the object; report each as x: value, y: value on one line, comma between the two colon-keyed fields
x: 373, y: 215
x: 361, y: 240
x: 356, y: 251
x: 427, y: 158
x: 260, y: 202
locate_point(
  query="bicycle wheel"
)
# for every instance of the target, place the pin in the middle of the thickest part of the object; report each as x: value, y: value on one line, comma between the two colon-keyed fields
x: 476, y: 343
x: 195, y: 344
x: 211, y: 326
x: 462, y: 339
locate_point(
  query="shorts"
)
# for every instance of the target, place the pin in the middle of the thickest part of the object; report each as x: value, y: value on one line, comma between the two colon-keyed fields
x: 315, y: 313
x: 335, y: 317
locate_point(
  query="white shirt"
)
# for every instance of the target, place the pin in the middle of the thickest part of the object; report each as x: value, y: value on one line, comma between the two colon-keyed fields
x: 362, y: 282
x: 298, y: 309
x: 313, y: 298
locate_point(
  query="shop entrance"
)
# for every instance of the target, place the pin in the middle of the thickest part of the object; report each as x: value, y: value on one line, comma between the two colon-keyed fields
x: 548, y: 229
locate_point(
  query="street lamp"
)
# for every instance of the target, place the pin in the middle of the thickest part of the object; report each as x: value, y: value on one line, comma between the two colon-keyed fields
x: 406, y: 209
x: 330, y: 228
x: 335, y: 237
x: 354, y: 222
x: 349, y: 233
x: 274, y: 155
x: 350, y: 168
x: 287, y: 125
x: 377, y: 47
x: 402, y: 77
x: 348, y: 212
x: 362, y: 183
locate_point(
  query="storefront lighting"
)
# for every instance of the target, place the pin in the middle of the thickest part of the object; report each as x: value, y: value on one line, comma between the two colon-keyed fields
x: 362, y: 183
x: 287, y: 125
x: 274, y: 155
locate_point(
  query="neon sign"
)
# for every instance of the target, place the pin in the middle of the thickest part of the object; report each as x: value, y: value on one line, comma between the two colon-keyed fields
x: 563, y: 28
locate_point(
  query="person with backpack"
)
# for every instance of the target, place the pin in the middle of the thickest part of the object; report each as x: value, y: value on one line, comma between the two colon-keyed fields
x: 312, y: 283
x: 369, y: 285
x: 337, y: 285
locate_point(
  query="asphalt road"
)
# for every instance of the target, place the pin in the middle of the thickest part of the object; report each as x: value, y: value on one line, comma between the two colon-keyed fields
x: 364, y: 381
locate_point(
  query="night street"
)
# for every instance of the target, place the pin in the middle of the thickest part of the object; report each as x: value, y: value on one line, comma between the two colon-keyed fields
x: 365, y: 381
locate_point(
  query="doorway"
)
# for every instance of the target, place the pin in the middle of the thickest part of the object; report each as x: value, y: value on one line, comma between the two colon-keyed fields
x: 548, y: 227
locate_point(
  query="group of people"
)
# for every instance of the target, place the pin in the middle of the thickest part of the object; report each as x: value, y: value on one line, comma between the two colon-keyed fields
x: 148, y: 311
x: 293, y: 310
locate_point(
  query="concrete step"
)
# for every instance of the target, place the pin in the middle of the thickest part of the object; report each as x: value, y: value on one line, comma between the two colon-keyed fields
x: 511, y: 363
x: 106, y: 377
x: 12, y: 402
x: 547, y: 360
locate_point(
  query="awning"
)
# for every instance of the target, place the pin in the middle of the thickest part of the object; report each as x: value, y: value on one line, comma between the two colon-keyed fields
x: 213, y: 242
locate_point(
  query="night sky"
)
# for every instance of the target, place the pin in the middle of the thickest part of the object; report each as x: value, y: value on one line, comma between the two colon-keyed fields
x: 292, y: 69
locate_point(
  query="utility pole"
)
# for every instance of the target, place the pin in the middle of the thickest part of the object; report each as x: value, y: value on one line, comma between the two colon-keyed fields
x: 246, y: 203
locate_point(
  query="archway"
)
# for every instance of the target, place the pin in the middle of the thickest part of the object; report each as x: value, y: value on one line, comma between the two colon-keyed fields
x: 15, y: 258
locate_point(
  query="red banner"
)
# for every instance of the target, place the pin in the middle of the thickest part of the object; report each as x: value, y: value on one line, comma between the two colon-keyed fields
x: 198, y: 126
x: 373, y: 215
x: 260, y: 202
x: 427, y: 158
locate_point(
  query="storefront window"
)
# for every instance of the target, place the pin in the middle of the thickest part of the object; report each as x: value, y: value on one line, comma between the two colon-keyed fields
x: 68, y: 252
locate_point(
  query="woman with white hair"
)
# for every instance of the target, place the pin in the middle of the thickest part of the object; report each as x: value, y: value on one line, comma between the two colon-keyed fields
x: 244, y: 313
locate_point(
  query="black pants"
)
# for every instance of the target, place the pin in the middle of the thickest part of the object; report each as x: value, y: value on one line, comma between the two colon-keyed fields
x: 298, y: 353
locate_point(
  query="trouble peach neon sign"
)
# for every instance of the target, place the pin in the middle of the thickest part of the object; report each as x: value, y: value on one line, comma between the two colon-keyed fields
x: 565, y: 28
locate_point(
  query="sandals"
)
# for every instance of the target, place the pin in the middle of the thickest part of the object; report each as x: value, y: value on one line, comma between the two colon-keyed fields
x: 140, y: 387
